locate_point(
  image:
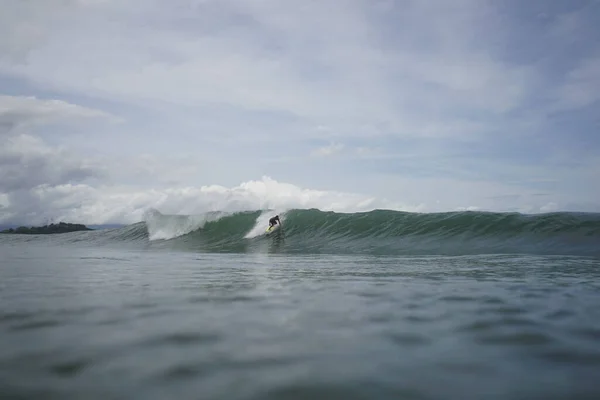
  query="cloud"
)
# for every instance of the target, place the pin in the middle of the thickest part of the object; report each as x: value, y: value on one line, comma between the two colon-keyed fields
x: 438, y: 104
x: 23, y: 26
x: 369, y: 152
x: 329, y: 150
x: 80, y: 202
x: 26, y: 162
x: 22, y: 112
x: 321, y: 61
x: 127, y: 204
x: 349, y: 66
x: 582, y: 85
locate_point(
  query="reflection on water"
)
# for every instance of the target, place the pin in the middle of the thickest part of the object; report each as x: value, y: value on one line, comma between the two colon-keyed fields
x: 110, y: 323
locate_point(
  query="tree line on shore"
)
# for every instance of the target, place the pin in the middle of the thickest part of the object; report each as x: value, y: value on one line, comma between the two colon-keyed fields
x: 61, y: 227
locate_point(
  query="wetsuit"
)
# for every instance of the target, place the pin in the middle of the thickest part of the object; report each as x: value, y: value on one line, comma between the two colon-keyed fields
x: 274, y: 220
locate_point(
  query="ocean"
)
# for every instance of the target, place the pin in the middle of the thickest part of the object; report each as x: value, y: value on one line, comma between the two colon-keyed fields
x: 374, y: 305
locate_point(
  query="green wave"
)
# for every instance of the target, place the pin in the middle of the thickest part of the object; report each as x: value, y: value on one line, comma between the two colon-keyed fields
x: 393, y: 232
x: 382, y: 232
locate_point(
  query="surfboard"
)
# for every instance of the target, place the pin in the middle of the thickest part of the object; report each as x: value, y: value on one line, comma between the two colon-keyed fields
x: 272, y: 229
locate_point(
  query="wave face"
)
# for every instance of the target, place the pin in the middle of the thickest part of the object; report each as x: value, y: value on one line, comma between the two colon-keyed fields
x: 379, y: 232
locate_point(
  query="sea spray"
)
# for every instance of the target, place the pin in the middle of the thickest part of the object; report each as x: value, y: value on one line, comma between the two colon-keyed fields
x: 262, y: 222
x: 161, y: 226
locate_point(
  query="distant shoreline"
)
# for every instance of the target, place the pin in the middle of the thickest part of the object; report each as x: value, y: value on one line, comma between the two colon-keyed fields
x: 61, y: 227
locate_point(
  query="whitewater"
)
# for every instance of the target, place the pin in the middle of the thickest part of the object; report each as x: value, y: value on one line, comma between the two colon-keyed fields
x: 377, y: 304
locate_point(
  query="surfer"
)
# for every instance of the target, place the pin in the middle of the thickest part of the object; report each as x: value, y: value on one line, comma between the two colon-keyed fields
x: 274, y: 221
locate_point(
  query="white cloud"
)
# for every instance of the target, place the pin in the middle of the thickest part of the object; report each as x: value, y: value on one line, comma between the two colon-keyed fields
x: 329, y: 150
x: 322, y: 61
x: 124, y: 204
x: 90, y: 205
x: 28, y: 111
x: 26, y: 162
x: 429, y: 95
x: 23, y: 26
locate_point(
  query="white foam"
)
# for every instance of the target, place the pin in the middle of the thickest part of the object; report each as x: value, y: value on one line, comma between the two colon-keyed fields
x: 262, y: 222
x: 164, y: 227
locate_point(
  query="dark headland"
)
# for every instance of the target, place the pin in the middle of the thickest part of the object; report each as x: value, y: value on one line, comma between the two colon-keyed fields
x: 61, y: 227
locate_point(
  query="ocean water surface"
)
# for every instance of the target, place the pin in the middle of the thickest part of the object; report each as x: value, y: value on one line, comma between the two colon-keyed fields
x: 378, y: 305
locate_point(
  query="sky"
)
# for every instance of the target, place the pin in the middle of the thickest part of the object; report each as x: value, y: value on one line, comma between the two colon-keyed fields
x: 111, y: 108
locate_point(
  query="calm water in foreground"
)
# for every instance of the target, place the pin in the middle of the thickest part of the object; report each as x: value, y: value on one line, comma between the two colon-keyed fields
x: 119, y: 323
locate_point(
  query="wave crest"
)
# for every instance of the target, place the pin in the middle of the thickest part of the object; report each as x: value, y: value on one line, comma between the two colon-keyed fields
x: 161, y: 226
x: 380, y: 232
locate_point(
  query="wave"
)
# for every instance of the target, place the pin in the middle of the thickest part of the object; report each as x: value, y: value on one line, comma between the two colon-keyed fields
x: 162, y: 226
x: 375, y: 232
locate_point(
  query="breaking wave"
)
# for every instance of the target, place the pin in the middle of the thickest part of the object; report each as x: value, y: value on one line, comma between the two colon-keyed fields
x: 375, y: 232
x: 162, y: 226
